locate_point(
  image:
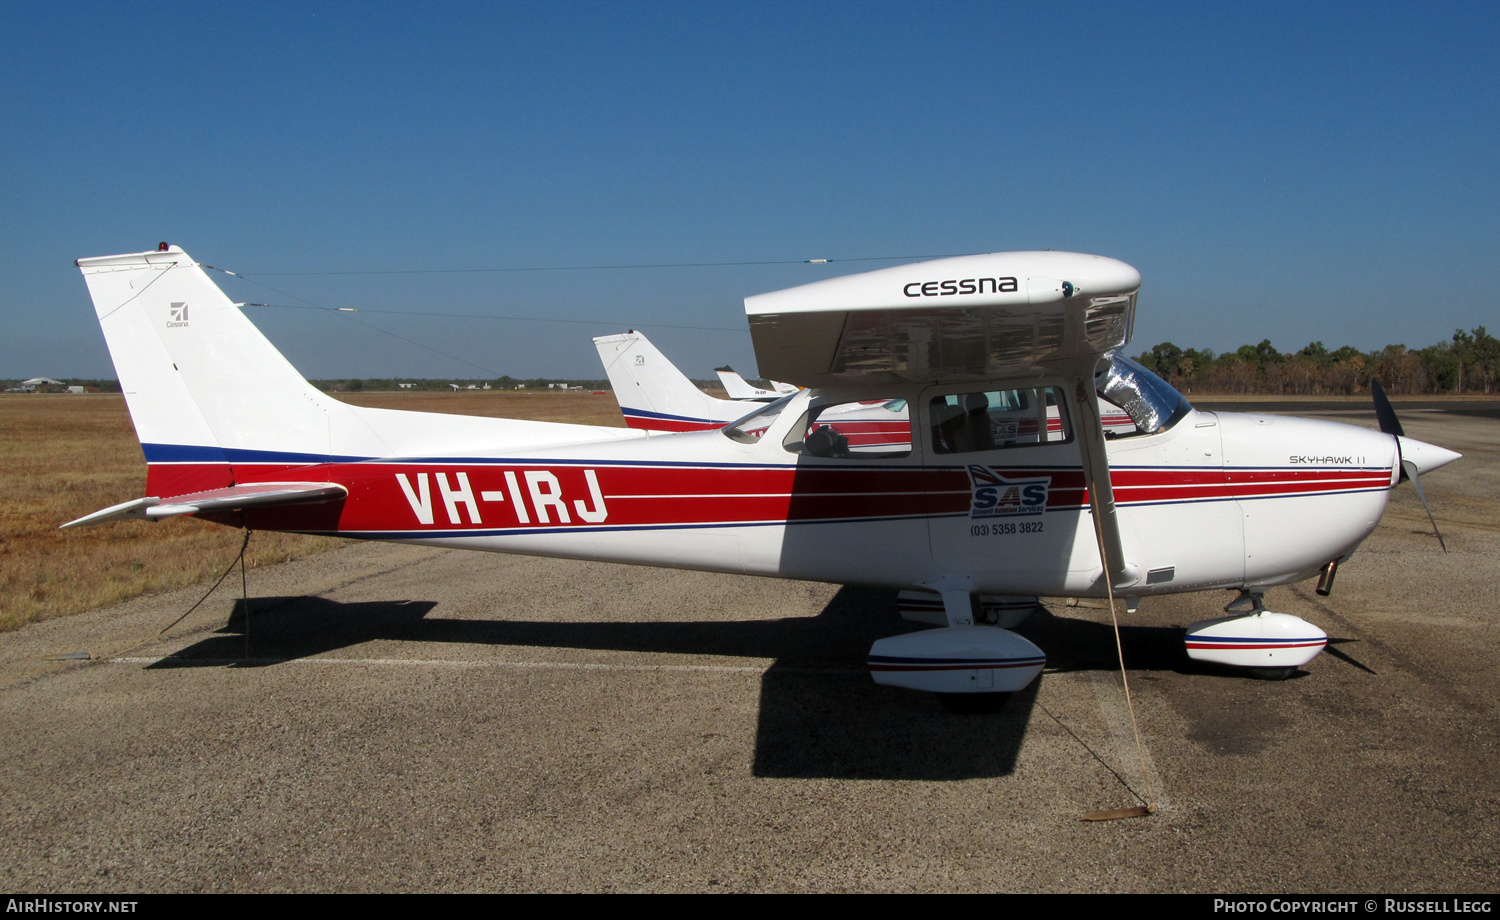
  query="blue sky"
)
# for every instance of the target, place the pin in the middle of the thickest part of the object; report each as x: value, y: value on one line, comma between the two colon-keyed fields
x: 1293, y: 171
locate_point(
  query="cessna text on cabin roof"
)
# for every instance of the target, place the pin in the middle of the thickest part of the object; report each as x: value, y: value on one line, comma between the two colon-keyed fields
x: 965, y: 286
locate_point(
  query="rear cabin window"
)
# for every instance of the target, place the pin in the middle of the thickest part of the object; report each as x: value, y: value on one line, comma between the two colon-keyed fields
x: 748, y: 429
x: 998, y: 419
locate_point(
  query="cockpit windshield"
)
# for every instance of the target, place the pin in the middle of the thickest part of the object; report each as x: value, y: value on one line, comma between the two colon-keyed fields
x: 1148, y: 400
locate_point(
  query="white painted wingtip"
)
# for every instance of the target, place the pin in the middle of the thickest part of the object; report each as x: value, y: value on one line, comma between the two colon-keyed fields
x: 136, y: 508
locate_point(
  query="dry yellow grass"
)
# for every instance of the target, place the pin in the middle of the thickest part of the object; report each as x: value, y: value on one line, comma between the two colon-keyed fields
x: 64, y: 456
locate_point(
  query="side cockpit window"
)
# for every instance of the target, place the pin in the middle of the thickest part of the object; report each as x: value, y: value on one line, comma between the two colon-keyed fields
x: 865, y: 430
x: 998, y: 419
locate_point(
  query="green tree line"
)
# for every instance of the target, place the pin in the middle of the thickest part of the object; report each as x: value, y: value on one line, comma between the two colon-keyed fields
x: 1468, y: 363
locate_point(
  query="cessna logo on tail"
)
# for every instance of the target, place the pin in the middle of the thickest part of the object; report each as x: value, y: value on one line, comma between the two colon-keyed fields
x: 996, y: 496
x: 177, y: 315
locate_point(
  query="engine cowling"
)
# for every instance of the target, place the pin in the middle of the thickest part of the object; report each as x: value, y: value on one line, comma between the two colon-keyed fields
x: 957, y: 659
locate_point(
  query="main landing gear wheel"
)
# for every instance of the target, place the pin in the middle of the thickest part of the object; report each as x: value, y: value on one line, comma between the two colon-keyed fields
x: 1271, y: 673
x: 972, y: 704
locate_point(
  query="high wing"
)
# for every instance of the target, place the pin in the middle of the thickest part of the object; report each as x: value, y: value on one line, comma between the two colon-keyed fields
x: 981, y: 318
x: 968, y: 318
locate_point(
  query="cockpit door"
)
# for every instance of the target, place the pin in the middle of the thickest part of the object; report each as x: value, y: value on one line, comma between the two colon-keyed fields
x: 1016, y: 517
x: 1009, y: 464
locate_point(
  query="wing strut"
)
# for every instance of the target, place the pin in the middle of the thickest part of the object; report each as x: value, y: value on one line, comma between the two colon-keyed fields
x: 1111, y: 552
x: 1096, y: 474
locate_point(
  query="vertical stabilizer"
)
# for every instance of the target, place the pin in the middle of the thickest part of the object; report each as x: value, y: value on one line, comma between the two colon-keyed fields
x: 213, y: 401
x: 201, y: 381
x: 738, y: 388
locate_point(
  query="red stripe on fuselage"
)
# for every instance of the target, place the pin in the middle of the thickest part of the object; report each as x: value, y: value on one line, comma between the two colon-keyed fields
x: 435, y: 497
x: 668, y: 424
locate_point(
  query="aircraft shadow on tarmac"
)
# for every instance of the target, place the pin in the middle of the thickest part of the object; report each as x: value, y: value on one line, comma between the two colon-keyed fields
x: 820, y: 714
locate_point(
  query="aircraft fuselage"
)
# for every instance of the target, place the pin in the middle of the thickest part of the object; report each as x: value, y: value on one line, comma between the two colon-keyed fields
x: 1215, y: 500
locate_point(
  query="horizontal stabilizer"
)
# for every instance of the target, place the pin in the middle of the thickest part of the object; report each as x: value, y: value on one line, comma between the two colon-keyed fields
x: 233, y: 498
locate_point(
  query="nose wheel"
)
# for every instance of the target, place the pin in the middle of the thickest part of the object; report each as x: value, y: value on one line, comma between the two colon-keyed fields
x: 1270, y: 673
x: 972, y: 704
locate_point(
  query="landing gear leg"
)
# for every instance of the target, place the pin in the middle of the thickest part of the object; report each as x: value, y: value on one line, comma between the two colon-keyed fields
x: 1247, y: 602
x: 971, y: 668
x: 960, y: 607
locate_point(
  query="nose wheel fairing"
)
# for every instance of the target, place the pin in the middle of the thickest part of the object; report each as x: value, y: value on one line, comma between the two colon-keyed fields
x: 1262, y: 639
x: 957, y: 659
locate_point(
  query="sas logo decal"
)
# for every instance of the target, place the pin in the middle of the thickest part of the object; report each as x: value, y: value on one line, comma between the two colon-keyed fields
x: 996, y: 496
x: 178, y: 316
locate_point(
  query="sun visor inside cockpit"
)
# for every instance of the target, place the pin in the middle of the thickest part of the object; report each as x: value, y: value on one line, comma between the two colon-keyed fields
x: 971, y: 317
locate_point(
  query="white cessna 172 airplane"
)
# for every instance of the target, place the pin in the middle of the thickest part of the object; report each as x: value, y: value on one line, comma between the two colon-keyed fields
x: 1005, y: 482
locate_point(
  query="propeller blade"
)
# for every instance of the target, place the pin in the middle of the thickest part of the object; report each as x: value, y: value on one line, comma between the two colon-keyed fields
x: 1410, y: 469
x: 1383, y: 411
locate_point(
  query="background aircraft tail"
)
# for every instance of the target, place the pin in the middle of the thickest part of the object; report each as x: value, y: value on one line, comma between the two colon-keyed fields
x: 654, y: 394
x: 738, y: 388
